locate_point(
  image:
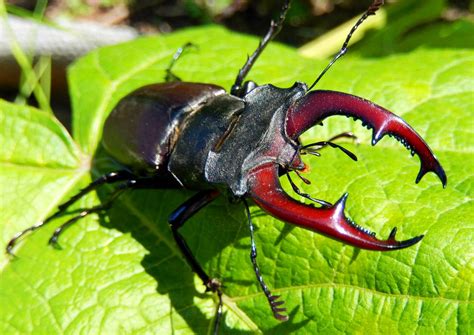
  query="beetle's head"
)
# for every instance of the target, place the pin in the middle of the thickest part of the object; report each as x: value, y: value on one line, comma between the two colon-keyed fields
x: 328, y: 219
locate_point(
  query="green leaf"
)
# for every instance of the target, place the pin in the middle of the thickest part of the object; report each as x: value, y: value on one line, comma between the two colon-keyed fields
x: 121, y: 272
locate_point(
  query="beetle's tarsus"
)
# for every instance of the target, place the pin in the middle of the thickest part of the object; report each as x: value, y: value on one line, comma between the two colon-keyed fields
x: 274, y: 303
x: 170, y: 76
x: 213, y: 285
x: 12, y: 243
x: 375, y: 6
x: 53, y: 241
x: 87, y: 211
x: 108, y: 178
x: 9, y: 250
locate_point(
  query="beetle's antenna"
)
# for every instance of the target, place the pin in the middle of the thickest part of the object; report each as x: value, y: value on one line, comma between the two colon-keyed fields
x: 322, y: 144
x: 272, y: 299
x: 374, y: 7
x: 275, y: 27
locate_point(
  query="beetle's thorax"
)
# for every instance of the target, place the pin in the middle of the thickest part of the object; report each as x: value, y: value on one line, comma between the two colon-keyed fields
x: 224, y: 141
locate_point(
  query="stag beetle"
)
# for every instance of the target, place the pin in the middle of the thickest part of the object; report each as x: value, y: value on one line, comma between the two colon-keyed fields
x: 196, y: 136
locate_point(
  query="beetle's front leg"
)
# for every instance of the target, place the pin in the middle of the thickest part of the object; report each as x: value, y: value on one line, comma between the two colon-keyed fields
x: 176, y: 221
x: 275, y: 304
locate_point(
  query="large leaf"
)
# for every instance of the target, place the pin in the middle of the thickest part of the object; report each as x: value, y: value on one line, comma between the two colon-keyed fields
x: 122, y: 273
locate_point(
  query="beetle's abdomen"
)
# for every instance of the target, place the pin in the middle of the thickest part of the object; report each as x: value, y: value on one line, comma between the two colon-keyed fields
x: 142, y: 129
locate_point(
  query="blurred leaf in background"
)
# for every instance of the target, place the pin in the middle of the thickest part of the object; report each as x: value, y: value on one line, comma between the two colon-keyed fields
x: 413, y: 24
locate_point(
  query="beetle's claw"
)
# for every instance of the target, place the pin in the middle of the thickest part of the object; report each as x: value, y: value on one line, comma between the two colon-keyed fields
x: 53, y: 241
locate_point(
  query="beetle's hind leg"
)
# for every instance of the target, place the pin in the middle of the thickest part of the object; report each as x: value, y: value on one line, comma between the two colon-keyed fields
x: 170, y: 76
x: 275, y: 304
x: 85, y: 212
x: 109, y: 178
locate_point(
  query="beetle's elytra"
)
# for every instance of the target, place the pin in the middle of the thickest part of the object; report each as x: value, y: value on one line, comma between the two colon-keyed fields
x: 196, y: 136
